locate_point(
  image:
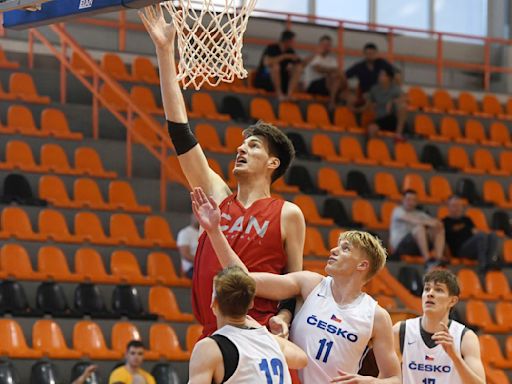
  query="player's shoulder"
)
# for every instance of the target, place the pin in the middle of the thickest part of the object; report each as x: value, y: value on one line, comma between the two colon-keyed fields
x: 206, y: 350
x: 292, y: 211
x: 382, y: 317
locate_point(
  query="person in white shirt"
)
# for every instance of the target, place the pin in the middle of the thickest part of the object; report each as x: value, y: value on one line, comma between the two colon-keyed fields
x: 338, y: 322
x: 434, y: 349
x: 187, y: 245
x: 241, y: 350
x: 323, y: 75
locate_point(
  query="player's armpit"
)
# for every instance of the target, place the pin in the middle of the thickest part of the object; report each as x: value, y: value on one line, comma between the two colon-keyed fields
x: 295, y: 357
x: 280, y: 287
x: 206, y: 363
x: 382, y: 338
x: 293, y: 227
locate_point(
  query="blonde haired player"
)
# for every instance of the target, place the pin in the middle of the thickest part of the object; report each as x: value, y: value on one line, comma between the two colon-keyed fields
x: 241, y: 351
x: 337, y: 321
x: 434, y: 349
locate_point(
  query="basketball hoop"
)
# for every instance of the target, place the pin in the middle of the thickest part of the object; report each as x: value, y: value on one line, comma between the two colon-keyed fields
x: 210, y: 40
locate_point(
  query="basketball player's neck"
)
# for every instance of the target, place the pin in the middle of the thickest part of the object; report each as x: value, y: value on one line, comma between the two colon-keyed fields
x: 234, y: 321
x: 346, y: 289
x: 252, y: 189
x: 431, y: 322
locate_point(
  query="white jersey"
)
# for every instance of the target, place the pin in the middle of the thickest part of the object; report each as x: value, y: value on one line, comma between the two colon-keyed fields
x: 424, y: 365
x: 260, y: 357
x: 334, y: 337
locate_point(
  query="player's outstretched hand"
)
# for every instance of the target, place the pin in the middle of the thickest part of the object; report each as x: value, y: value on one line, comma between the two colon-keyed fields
x: 446, y: 340
x: 205, y: 209
x: 349, y: 378
x: 161, y: 32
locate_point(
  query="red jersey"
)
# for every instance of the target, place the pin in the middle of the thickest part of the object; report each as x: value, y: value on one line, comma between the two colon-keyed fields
x: 255, y: 235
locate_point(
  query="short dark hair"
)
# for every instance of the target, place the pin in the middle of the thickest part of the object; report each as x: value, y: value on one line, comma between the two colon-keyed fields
x: 234, y: 291
x: 443, y: 276
x: 134, y: 344
x: 370, y: 46
x: 409, y: 191
x: 325, y: 38
x: 287, y: 35
x: 278, y: 143
x: 389, y: 72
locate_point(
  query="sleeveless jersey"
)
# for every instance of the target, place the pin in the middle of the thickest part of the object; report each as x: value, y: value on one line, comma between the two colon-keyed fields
x: 261, y: 359
x: 255, y: 235
x: 424, y: 365
x: 334, y: 337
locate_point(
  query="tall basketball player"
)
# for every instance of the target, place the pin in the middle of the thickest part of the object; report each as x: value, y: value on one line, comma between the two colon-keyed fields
x: 239, y: 352
x: 434, y: 349
x: 337, y: 322
x: 267, y: 233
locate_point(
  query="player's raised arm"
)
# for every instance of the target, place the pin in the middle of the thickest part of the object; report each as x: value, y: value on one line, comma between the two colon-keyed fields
x: 295, y: 357
x: 190, y: 155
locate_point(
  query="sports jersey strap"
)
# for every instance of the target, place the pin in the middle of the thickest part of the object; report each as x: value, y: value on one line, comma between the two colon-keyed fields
x: 230, y: 355
x: 401, y: 335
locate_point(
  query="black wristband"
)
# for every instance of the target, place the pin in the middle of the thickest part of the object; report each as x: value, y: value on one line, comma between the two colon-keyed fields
x: 181, y: 136
x: 288, y: 304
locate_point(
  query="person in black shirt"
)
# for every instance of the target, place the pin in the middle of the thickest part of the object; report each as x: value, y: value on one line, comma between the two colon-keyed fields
x: 464, y: 240
x: 280, y: 67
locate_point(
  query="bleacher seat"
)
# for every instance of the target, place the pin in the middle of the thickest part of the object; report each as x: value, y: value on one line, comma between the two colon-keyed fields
x: 44, y: 372
x: 124, y: 231
x: 124, y: 265
x: 50, y: 299
x: 52, y: 263
x: 122, y: 333
x: 55, y: 123
x: 143, y: 70
x: 89, y: 340
x: 143, y: 97
x: 20, y: 119
x: 47, y: 337
x: 15, y: 223
x: 162, y: 302
x: 164, y: 341
x: 89, y: 263
x: 88, y: 161
x: 161, y: 268
x: 88, y: 299
x: 114, y: 66
x: 14, y: 343
x: 22, y: 86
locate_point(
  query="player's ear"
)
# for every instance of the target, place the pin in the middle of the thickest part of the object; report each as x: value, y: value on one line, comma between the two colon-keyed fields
x: 274, y: 162
x: 363, y: 265
x: 251, y: 304
x: 453, y: 301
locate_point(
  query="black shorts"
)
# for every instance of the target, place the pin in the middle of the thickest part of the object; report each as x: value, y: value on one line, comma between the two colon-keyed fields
x: 318, y: 87
x: 408, y: 246
x: 263, y: 80
x: 387, y: 123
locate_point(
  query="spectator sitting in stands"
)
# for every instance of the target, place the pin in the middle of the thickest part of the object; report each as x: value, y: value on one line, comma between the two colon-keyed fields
x: 187, y: 244
x: 131, y: 372
x: 387, y: 101
x: 412, y: 230
x: 464, y: 240
x: 323, y: 75
x: 280, y: 67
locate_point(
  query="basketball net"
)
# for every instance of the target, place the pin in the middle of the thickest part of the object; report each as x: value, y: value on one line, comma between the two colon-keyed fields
x: 210, y: 40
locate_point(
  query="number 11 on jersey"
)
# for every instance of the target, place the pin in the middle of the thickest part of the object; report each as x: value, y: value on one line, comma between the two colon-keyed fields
x: 327, y: 346
x: 428, y: 381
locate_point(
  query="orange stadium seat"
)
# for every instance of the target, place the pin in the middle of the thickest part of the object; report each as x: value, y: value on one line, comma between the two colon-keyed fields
x: 54, y: 159
x: 470, y: 286
x: 113, y: 98
x: 114, y: 66
x: 279, y: 185
x: 158, y: 232
x: 308, y: 207
x: 207, y: 136
x: 478, y: 217
x: 350, y: 149
x: 122, y: 333
x: 386, y: 302
x: 52, y: 262
x: 477, y: 314
x: 314, y: 243
x: 493, y: 193
x: 53, y: 226
x: 122, y: 196
x: 496, y: 283
x: 124, y: 231
x: 162, y: 302
x: 508, y: 347
x: 442, y: 101
x: 47, y: 337
x: 161, y: 268
x: 507, y: 251
x: 289, y: 112
x: 15, y: 262
x: 89, y: 340
x: 450, y: 130
x: 417, y: 183
x: 261, y: 109
x: 405, y: 154
x: 22, y: 85
x: 475, y: 133
x: 80, y: 65
x: 89, y: 264
x: 499, y: 133
x: 193, y: 333
x: 16, y: 224
x: 417, y: 99
x: 491, y: 105
x: 440, y: 188
x: 491, y: 352
x: 344, y: 118
x: 484, y: 161
x: 458, y: 158
x: 87, y: 194
x: 174, y: 173
x: 144, y: 70
x: 204, y: 106
x: 142, y: 133
x: 334, y: 235
x: 468, y: 104
x: 88, y: 161
x: 164, y: 341
x: 55, y: 123
x: 4, y: 95
x: 21, y: 120
x: 144, y: 98
x: 124, y: 265
x: 88, y: 225
x: 503, y: 312
x: 6, y: 63
x: 423, y: 125
x: 18, y: 155
x: 329, y: 179
x: 317, y: 115
x: 233, y: 137
x: 53, y: 190
x: 506, y: 161
x: 364, y: 213
x: 496, y: 376
x: 322, y: 145
x: 385, y: 184
x: 386, y: 210
x: 377, y: 150
x: 14, y: 344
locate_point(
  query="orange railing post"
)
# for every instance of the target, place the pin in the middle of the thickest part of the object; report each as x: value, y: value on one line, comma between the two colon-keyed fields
x: 95, y: 107
x: 341, y: 45
x: 163, y: 179
x: 122, y: 30
x: 129, y: 142
x: 30, y: 48
x: 391, y: 48
x: 487, y: 65
x: 63, y: 82
x: 439, y: 74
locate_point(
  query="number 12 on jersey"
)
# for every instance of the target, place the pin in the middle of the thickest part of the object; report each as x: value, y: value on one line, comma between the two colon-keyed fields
x: 428, y: 381
x: 324, y: 345
x: 277, y: 370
